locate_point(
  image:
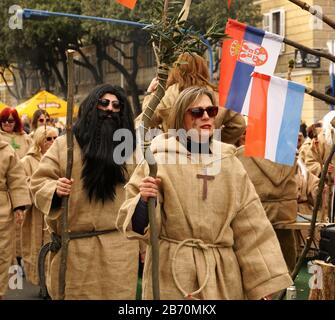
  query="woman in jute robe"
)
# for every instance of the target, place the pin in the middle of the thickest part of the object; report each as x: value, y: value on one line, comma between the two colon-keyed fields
x: 12, y: 132
x: 14, y: 196
x: 191, y: 70
x: 215, y: 239
x: 34, y: 233
x: 103, y: 265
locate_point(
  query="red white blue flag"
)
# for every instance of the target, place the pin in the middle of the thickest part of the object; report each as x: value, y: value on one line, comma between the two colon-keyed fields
x: 274, y: 118
x: 247, y: 50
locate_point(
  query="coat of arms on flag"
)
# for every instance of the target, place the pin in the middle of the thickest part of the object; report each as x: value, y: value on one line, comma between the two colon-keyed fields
x: 247, y: 49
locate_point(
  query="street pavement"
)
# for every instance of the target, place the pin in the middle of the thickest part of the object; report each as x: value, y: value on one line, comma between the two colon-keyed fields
x: 26, y: 291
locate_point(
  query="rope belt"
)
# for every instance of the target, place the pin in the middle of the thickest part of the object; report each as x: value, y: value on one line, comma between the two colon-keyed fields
x: 195, y: 243
x: 54, y: 246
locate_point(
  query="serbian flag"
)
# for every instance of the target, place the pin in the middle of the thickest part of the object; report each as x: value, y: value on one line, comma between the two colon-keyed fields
x: 127, y: 3
x: 247, y: 50
x: 274, y: 118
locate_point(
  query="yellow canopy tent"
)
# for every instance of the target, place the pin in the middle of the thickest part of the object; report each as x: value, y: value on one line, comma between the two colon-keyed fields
x: 56, y: 107
x: 3, y: 105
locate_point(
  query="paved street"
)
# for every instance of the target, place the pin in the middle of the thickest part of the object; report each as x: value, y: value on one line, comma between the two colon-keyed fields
x: 28, y: 292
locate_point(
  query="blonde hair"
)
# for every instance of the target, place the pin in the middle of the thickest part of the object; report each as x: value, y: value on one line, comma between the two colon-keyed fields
x: 185, y: 99
x: 190, y: 69
x: 39, y: 136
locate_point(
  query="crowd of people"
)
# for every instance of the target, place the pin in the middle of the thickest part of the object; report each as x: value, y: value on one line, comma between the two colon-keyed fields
x: 216, y: 209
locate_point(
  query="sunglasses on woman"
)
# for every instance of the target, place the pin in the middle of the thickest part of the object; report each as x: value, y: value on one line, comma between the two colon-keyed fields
x: 43, y: 120
x: 198, y: 112
x: 9, y: 121
x: 51, y: 138
x: 105, y: 103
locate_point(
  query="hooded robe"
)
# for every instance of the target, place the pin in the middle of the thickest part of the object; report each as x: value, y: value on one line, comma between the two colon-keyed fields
x: 223, y: 246
x: 99, y: 267
x: 14, y: 193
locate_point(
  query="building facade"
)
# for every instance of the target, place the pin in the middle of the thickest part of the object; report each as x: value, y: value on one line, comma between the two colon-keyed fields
x: 287, y: 19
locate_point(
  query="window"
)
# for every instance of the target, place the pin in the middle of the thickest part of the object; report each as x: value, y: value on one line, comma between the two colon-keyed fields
x: 274, y: 21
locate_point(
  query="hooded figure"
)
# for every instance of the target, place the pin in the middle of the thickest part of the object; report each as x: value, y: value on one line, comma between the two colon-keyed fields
x: 215, y: 240
x: 320, y: 147
x: 277, y: 188
x: 14, y: 196
x: 103, y: 265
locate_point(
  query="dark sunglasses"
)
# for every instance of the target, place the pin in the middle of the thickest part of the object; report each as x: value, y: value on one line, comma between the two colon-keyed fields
x: 51, y: 138
x: 42, y: 120
x: 198, y: 112
x: 105, y: 103
x: 8, y: 121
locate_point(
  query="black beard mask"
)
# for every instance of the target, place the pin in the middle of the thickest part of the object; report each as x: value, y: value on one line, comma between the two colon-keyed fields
x: 100, y: 173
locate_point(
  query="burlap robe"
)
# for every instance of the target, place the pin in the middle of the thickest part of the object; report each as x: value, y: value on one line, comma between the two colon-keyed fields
x: 304, y: 149
x: 34, y: 233
x: 277, y: 188
x: 13, y: 193
x: 236, y: 239
x: 101, y: 267
x: 316, y: 156
x: 21, y: 143
x: 307, y: 184
x: 231, y: 123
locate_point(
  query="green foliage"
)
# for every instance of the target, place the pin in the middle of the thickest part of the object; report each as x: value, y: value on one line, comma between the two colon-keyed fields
x: 203, y: 13
x: 42, y: 43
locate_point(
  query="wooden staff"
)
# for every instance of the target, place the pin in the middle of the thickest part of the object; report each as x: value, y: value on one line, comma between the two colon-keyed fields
x: 313, y: 11
x: 65, y: 200
x: 162, y: 75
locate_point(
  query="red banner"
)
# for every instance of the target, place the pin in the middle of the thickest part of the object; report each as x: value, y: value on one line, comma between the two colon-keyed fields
x: 128, y: 3
x: 229, y: 2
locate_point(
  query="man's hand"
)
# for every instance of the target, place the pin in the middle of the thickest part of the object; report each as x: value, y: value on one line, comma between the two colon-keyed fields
x: 63, y: 187
x: 149, y: 188
x: 19, y: 216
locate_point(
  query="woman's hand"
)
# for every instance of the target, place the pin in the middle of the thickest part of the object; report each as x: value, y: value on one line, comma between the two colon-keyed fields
x: 63, y: 187
x: 19, y: 216
x: 153, y: 85
x: 149, y: 188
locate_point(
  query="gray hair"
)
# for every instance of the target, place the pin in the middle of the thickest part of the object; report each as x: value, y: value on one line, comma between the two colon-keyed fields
x: 187, y: 97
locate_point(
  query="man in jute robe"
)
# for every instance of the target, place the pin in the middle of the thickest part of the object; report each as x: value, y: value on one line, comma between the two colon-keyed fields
x: 277, y: 188
x: 102, y: 266
x: 14, y: 196
x: 215, y: 239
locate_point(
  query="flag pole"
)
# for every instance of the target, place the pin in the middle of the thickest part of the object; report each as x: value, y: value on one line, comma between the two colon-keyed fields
x: 309, y: 50
x: 305, y: 6
x: 319, y: 95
